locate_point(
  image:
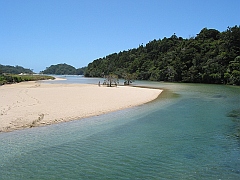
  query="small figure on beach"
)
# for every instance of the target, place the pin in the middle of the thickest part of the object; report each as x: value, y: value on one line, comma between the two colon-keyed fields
x: 99, y: 83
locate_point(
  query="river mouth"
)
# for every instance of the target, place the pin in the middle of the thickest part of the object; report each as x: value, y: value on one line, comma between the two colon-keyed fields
x: 186, y: 133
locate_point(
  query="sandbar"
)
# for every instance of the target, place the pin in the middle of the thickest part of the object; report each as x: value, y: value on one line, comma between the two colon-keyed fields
x: 31, y: 104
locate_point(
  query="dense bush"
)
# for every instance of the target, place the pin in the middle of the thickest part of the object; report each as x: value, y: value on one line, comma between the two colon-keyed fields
x: 63, y: 69
x: 14, y: 69
x: 10, y: 78
x: 210, y: 57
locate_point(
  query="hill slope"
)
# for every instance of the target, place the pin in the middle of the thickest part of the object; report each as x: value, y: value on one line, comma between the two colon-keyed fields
x: 210, y: 57
x: 63, y: 69
x: 14, y: 69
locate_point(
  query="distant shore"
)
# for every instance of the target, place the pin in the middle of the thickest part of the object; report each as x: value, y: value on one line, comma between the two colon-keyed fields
x: 32, y: 104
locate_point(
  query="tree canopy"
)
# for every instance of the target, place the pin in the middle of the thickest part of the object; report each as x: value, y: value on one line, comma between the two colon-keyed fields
x: 63, y: 69
x: 14, y: 69
x: 210, y: 57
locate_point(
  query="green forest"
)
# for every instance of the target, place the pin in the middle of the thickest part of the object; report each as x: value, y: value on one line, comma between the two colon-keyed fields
x: 210, y: 57
x: 63, y: 69
x: 14, y: 69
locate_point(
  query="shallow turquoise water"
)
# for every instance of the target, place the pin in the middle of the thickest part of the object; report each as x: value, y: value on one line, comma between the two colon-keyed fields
x: 185, y: 134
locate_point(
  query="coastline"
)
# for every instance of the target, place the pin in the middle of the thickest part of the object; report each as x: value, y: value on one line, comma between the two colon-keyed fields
x: 33, y: 104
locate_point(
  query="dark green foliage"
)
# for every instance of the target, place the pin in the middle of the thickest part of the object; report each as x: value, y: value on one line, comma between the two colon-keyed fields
x: 80, y: 71
x: 210, y: 57
x: 14, y: 69
x: 63, y: 69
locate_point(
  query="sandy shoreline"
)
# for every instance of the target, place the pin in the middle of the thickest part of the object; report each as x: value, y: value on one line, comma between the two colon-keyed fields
x: 31, y: 104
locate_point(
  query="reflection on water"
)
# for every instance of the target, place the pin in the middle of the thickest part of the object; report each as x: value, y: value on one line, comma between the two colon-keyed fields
x: 187, y: 133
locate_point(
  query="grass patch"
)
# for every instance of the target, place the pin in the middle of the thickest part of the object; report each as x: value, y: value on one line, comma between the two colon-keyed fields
x: 14, y: 78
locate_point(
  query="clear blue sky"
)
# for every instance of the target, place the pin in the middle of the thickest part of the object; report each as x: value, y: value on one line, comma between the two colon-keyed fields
x: 38, y: 33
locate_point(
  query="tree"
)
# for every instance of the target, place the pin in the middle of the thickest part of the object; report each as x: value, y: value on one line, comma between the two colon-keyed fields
x: 14, y: 70
x: 208, y: 33
x: 81, y: 71
x: 227, y: 77
x: 111, y: 79
x: 60, y: 69
x: 235, y: 78
x: 234, y: 68
x: 129, y: 78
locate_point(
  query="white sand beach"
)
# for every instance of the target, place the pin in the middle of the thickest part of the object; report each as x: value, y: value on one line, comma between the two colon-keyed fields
x: 31, y: 104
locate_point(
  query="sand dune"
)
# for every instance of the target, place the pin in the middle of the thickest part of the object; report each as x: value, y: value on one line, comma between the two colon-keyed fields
x: 31, y: 104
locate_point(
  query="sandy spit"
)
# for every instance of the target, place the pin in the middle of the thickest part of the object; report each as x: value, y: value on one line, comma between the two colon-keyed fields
x: 31, y: 104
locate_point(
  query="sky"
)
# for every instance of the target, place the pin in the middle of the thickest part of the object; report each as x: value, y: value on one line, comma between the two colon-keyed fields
x: 36, y: 34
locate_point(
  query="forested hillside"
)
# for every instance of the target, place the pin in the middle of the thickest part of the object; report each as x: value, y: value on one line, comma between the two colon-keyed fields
x: 63, y: 69
x: 210, y: 57
x: 14, y: 69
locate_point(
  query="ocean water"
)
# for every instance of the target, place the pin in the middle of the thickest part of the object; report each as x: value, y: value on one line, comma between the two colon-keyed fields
x: 189, y: 132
